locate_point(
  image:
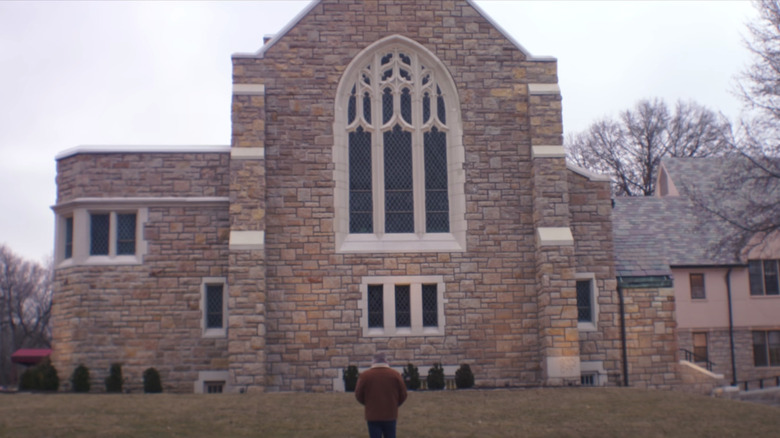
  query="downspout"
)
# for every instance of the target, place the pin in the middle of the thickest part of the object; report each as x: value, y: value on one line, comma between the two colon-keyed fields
x: 623, y: 343
x: 731, y: 330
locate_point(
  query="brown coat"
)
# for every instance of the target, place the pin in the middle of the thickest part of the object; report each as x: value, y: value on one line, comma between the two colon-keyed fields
x: 382, y: 390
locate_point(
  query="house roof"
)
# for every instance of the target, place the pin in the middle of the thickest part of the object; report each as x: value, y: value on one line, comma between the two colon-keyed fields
x: 654, y: 234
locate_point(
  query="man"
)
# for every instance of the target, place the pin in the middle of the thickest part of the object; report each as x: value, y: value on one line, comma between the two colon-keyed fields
x: 381, y: 390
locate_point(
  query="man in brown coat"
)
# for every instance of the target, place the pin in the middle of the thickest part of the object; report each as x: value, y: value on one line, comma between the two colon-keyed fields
x: 381, y: 390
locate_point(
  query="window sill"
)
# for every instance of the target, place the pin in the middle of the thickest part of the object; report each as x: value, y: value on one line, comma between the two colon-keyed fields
x: 215, y: 333
x: 394, y: 243
x: 586, y: 327
x: 403, y: 332
x: 101, y: 261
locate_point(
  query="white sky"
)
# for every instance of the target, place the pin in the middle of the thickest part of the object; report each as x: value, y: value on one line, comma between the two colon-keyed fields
x: 147, y: 73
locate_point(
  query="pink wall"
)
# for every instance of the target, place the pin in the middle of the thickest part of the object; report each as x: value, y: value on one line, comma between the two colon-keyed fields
x: 712, y: 311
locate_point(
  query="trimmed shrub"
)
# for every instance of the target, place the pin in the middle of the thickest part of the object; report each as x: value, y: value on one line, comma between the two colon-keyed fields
x: 42, y: 377
x: 79, y: 380
x: 411, y: 377
x: 114, y: 380
x: 350, y: 376
x: 152, y: 383
x: 436, y: 377
x: 464, y: 378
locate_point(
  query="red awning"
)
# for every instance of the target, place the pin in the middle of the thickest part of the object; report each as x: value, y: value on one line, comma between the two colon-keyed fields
x: 30, y: 356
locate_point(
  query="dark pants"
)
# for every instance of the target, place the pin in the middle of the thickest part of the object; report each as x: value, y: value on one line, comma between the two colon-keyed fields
x: 378, y: 429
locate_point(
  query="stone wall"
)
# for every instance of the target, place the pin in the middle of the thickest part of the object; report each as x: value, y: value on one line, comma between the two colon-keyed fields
x: 313, y: 328
x: 650, y: 338
x: 145, y: 315
x: 293, y: 305
x: 103, y: 175
x: 591, y: 207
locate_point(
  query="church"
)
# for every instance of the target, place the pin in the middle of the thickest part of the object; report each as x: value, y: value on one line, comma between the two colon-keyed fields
x: 396, y: 182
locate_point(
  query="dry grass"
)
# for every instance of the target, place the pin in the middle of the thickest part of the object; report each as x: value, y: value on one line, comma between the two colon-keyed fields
x: 479, y: 413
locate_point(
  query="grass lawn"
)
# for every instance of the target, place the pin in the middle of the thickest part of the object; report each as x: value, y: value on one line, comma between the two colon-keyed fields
x: 565, y: 412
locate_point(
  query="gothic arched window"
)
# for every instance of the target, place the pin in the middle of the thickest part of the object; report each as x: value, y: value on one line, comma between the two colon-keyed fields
x: 398, y: 153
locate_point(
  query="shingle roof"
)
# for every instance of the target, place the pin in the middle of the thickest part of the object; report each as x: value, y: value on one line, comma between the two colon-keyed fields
x: 653, y: 234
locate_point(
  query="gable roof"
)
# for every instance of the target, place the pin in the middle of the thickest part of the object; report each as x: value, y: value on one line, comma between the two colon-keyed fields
x: 654, y: 234
x: 274, y: 38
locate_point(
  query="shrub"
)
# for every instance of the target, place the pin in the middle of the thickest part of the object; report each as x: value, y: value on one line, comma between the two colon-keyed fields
x: 29, y: 380
x: 464, y: 378
x: 436, y: 377
x: 411, y: 377
x: 42, y: 377
x: 350, y: 376
x: 152, y: 383
x: 80, y: 379
x: 114, y: 380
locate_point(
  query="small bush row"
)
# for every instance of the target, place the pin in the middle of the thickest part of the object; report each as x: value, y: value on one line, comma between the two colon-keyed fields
x: 43, y: 377
x: 435, y: 380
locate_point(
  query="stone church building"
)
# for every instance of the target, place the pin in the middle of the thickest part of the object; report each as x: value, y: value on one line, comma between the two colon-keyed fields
x: 395, y: 182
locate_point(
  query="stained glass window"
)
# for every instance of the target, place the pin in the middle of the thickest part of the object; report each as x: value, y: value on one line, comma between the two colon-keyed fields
x: 584, y: 306
x: 410, y: 125
x: 430, y: 305
x: 376, y: 316
x: 214, y: 307
x: 403, y: 308
x: 125, y: 234
x: 68, y: 237
x: 98, y: 233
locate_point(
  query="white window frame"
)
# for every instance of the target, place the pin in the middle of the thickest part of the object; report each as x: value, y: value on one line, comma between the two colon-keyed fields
x: 591, y: 325
x: 388, y: 289
x: 419, y: 241
x: 220, y: 332
x: 82, y: 234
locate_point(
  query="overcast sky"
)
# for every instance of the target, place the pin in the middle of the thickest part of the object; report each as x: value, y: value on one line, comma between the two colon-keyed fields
x: 144, y: 73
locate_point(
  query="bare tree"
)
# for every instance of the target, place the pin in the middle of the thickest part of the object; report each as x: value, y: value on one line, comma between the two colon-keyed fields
x: 25, y: 307
x: 630, y: 149
x: 753, y: 216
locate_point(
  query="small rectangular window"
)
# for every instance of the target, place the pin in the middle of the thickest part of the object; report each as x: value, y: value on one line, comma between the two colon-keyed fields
x: 68, y: 237
x: 774, y: 348
x: 700, y: 347
x: 760, y: 356
x: 98, y: 233
x: 376, y: 307
x: 584, y: 303
x: 697, y: 286
x: 766, y: 348
x: 125, y: 234
x: 214, y: 306
x: 770, y: 277
x: 403, y: 309
x: 756, y: 275
x: 430, y: 305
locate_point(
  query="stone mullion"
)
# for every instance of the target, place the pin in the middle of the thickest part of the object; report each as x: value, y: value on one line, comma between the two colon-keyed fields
x: 246, y: 271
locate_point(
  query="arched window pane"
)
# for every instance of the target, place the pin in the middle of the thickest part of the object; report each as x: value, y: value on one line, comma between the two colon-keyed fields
x: 351, y: 109
x: 387, y: 105
x: 406, y: 105
x: 436, y: 199
x: 360, y: 194
x: 440, y: 101
x: 399, y: 197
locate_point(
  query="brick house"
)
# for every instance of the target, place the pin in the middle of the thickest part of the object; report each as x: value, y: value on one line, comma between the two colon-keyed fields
x: 395, y: 182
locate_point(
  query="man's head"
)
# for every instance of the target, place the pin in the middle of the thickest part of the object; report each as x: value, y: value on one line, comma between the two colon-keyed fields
x: 379, y: 358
